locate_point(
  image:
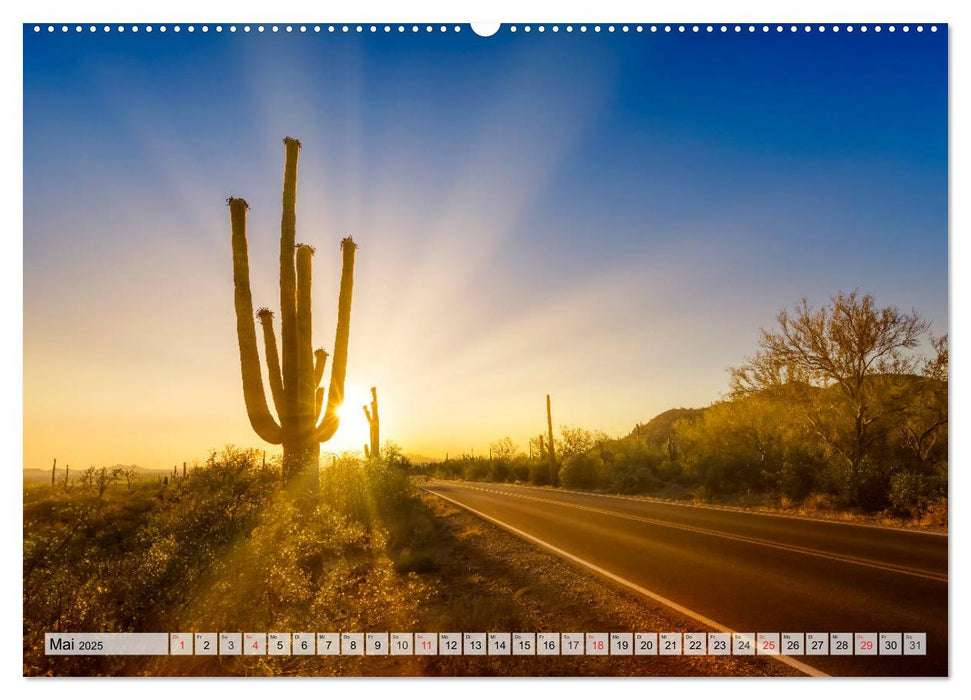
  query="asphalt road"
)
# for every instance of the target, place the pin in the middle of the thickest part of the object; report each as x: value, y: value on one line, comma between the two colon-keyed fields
x: 747, y: 572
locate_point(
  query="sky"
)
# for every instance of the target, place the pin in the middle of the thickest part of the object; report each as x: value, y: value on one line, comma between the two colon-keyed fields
x: 607, y: 218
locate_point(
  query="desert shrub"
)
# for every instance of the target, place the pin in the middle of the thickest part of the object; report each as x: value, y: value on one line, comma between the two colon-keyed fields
x: 498, y: 471
x: 937, y: 513
x: 630, y: 466
x: 520, y: 471
x: 670, y: 470
x: 475, y: 470
x: 539, y: 473
x: 913, y: 494
x: 580, y: 471
x: 365, y: 491
x: 233, y: 546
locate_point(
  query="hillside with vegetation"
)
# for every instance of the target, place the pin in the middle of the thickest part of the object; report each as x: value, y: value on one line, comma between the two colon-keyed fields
x: 841, y: 409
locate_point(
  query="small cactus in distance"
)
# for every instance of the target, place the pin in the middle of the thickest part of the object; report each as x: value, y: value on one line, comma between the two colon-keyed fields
x: 550, y: 450
x: 295, y: 370
x: 375, y: 424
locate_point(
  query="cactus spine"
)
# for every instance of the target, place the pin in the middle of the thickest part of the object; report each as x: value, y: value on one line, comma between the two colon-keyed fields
x: 294, y: 382
x: 375, y: 423
x: 551, y: 452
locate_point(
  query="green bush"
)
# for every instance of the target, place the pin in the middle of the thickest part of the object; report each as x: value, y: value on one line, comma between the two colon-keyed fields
x: 913, y: 494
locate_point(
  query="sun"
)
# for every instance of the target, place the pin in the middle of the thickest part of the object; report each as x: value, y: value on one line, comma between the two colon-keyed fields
x: 353, y: 432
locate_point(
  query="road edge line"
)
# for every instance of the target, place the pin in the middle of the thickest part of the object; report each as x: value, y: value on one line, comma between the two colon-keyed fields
x: 677, y: 607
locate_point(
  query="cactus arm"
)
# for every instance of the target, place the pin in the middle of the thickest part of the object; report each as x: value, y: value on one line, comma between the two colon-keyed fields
x: 375, y: 422
x: 318, y: 403
x: 335, y: 396
x: 272, y: 359
x: 306, y: 389
x: 320, y: 357
x: 249, y: 359
x: 367, y: 414
x: 288, y: 307
x: 367, y: 452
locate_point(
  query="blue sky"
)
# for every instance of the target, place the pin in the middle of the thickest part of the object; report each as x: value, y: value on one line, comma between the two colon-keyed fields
x: 609, y: 218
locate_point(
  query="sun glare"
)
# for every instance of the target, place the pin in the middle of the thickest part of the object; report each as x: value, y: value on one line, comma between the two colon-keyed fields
x: 353, y: 431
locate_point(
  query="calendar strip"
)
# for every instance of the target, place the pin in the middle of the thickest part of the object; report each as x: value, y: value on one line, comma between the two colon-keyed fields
x: 487, y: 644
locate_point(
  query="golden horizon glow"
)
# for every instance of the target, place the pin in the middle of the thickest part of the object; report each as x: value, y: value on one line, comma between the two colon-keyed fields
x: 471, y: 301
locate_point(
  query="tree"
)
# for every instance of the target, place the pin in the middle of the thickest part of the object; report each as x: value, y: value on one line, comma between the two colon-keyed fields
x: 831, y: 360
x: 99, y: 479
x: 922, y: 420
x: 128, y: 475
x: 574, y: 441
x: 503, y: 449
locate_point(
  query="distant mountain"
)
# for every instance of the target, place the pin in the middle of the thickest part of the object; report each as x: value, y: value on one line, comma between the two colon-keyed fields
x: 657, y: 430
x: 44, y: 475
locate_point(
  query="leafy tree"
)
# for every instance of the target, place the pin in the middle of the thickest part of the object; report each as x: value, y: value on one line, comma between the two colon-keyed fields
x: 504, y: 449
x: 830, y: 360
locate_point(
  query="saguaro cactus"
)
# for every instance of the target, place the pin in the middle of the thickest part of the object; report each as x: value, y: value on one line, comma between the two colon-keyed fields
x: 295, y: 389
x: 551, y: 451
x: 375, y: 423
x: 53, y: 471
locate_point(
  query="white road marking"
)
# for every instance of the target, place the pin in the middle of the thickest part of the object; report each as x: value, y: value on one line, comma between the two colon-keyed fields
x: 697, y: 617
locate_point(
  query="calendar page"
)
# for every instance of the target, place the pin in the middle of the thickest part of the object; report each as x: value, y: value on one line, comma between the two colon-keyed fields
x: 519, y: 349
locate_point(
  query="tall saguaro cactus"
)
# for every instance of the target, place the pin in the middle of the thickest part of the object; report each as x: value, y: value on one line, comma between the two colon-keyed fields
x: 294, y: 383
x: 551, y: 451
x: 374, y: 422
